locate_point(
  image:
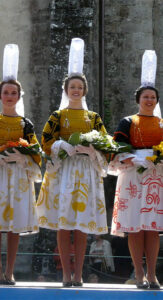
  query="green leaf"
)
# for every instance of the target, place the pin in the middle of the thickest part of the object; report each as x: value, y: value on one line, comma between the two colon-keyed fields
x: 74, y: 139
x: 62, y: 154
x: 124, y: 147
x: 141, y: 169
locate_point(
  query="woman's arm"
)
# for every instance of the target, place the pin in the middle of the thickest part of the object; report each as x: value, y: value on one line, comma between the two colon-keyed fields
x: 50, y: 132
x: 30, y: 136
x: 122, y: 133
x: 98, y: 123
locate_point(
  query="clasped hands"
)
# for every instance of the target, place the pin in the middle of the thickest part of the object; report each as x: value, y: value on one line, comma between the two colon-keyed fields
x: 138, y: 162
x: 71, y: 150
x: 13, y: 157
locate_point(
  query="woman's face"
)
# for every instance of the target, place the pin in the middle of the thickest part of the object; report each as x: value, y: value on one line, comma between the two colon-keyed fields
x: 147, y: 102
x: 75, y: 90
x: 9, y: 95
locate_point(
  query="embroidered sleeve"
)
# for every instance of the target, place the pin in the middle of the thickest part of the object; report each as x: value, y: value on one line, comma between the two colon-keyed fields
x: 30, y: 136
x: 96, y: 121
x: 51, y: 132
x: 122, y: 134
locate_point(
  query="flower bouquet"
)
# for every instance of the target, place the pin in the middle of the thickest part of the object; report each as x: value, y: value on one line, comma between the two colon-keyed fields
x: 98, y: 140
x: 22, y: 146
x: 156, y: 158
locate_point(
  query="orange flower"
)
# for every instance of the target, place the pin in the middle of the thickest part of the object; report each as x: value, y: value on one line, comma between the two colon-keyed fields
x: 11, y: 144
x: 3, y: 148
x: 23, y: 143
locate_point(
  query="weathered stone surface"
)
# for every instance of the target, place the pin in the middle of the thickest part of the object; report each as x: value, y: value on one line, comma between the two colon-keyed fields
x: 128, y: 32
x: 71, y: 19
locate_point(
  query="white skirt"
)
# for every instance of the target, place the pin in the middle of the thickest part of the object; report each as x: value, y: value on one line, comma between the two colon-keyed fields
x: 138, y: 200
x: 17, y: 197
x: 72, y: 197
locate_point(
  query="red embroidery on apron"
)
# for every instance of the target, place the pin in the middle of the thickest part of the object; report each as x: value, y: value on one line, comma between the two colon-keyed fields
x: 133, y: 190
x: 154, y: 183
x: 120, y: 204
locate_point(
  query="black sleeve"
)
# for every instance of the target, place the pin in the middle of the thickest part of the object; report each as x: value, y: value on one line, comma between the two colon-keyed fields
x: 28, y: 130
x: 122, y: 134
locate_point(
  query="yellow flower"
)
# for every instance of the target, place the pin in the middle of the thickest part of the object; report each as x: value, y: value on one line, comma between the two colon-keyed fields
x: 152, y: 158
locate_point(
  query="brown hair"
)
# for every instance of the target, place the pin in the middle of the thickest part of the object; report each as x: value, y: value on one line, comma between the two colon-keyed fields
x: 14, y: 82
x: 141, y: 89
x: 75, y: 76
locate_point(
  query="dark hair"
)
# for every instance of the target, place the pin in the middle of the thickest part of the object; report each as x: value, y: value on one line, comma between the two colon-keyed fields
x: 14, y: 82
x: 141, y: 89
x: 75, y: 76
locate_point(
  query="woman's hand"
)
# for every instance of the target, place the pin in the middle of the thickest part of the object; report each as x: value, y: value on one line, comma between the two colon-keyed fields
x: 68, y: 148
x: 15, y: 157
x: 128, y: 161
x: 86, y: 150
x: 57, y: 145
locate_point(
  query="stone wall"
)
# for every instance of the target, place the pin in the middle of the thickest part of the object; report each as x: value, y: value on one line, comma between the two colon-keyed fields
x: 71, y: 19
x: 131, y: 27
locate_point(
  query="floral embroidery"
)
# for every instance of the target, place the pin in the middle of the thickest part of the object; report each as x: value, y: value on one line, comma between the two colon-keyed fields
x: 23, y: 185
x: 133, y: 191
x: 92, y: 225
x: 100, y: 206
x: 42, y: 220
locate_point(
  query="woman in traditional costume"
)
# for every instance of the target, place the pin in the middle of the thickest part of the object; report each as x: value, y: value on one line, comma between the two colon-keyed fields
x: 18, y: 171
x: 138, y: 206
x: 72, y: 195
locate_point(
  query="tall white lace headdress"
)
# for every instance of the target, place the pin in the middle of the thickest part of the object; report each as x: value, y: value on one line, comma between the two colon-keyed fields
x: 10, y: 70
x: 75, y: 66
x: 148, y: 74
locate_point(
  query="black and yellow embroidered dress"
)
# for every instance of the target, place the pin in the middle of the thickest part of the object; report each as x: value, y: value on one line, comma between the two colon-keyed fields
x: 72, y: 197
x: 17, y: 194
